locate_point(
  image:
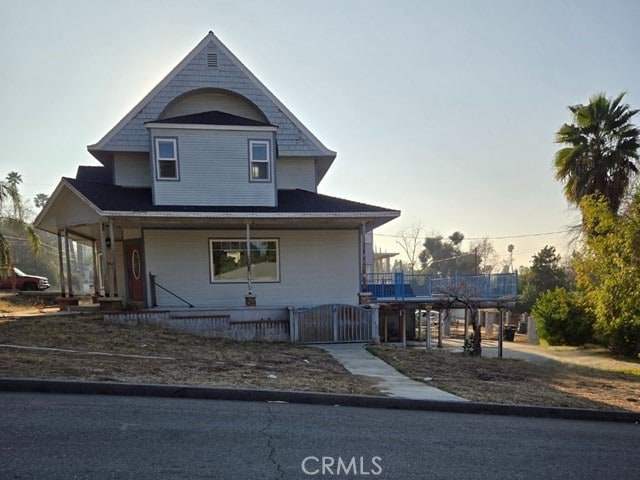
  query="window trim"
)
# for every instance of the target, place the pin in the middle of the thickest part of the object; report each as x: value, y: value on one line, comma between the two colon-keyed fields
x: 158, y: 159
x: 268, y: 161
x: 243, y: 241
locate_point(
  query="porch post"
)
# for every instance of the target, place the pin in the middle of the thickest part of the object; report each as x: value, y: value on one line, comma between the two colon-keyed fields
x: 500, y: 332
x: 61, y: 265
x: 96, y: 280
x: 250, y: 286
x: 114, y: 277
x: 428, y: 329
x: 363, y: 259
x: 103, y: 262
x: 67, y: 252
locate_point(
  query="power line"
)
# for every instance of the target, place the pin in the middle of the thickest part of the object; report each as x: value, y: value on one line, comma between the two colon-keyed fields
x: 542, y: 234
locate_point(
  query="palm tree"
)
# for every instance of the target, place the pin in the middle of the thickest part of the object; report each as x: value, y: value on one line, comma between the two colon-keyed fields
x: 601, y: 150
x: 13, y: 223
x: 13, y: 179
x: 40, y: 200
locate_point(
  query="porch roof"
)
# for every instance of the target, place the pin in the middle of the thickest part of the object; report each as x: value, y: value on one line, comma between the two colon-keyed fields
x: 115, y: 198
x: 78, y: 205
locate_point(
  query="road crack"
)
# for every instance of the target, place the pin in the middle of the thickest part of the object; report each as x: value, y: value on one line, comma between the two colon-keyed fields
x: 266, y: 431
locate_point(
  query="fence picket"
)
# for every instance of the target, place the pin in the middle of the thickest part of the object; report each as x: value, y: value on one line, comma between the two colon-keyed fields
x: 334, y: 323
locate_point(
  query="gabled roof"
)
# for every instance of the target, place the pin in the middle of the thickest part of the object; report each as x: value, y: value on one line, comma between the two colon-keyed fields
x: 214, y: 117
x: 195, y: 73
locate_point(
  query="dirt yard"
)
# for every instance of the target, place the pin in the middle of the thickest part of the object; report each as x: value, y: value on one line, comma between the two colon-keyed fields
x: 80, y: 347
x: 85, y: 347
x: 551, y: 383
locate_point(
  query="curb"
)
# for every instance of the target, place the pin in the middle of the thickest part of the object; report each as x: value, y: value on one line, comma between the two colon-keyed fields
x: 312, y: 398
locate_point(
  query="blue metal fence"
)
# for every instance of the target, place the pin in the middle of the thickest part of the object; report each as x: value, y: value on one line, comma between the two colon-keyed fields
x: 401, y: 286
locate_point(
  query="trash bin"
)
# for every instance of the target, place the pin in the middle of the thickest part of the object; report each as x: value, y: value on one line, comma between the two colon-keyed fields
x: 510, y: 333
x: 522, y: 328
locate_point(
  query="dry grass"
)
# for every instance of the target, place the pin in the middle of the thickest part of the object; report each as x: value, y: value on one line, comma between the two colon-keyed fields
x: 191, y: 359
x: 517, y: 381
x: 181, y: 358
x: 11, y: 302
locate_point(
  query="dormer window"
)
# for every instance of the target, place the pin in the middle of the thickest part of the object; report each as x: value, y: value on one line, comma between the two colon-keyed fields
x: 260, y: 160
x: 166, y: 158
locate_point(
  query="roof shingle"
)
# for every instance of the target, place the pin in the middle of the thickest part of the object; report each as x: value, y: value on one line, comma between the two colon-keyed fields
x: 109, y: 197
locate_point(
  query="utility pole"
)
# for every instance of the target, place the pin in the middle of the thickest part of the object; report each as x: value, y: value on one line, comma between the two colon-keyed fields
x: 475, y: 262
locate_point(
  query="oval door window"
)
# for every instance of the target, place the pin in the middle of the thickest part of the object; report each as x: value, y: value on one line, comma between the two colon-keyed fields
x: 135, y: 264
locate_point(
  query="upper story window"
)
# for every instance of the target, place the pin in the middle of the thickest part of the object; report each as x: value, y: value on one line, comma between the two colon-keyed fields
x: 260, y: 160
x: 167, y: 158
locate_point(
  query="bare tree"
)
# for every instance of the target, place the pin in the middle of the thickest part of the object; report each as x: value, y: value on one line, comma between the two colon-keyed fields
x: 463, y: 292
x: 487, y: 258
x: 410, y: 241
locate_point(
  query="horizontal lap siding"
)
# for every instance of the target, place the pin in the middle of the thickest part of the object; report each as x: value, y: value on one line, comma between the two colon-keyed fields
x: 316, y: 267
x: 132, y: 169
x: 214, y: 170
x: 296, y: 173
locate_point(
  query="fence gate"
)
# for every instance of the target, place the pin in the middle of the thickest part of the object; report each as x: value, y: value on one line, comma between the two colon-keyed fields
x: 334, y: 324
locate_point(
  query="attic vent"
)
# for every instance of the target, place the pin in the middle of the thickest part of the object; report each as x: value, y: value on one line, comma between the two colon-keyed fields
x: 212, y: 60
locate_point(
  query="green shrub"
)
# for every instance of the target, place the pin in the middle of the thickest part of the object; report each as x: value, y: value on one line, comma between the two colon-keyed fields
x: 562, y: 318
x: 621, y: 332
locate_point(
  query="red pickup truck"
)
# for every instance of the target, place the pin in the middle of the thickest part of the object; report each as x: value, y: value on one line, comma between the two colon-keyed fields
x: 23, y: 281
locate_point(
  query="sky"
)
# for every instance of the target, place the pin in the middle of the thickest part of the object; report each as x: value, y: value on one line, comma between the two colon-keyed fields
x: 446, y: 110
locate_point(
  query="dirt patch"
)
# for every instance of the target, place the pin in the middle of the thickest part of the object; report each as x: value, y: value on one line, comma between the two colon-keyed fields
x: 11, y: 302
x: 517, y: 381
x: 188, y: 359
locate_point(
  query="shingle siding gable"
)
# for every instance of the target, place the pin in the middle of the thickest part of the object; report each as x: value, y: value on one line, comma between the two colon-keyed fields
x: 134, y: 137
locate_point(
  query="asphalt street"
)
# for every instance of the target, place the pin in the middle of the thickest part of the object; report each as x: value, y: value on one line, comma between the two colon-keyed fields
x: 56, y: 436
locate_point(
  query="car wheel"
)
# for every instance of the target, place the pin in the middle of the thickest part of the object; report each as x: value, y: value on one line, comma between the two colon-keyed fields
x: 30, y: 286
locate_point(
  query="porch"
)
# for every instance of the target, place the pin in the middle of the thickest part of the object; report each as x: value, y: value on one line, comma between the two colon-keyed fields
x: 408, y: 288
x: 400, y: 295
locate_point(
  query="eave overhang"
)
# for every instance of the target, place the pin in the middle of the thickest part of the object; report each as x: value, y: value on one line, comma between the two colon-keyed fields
x: 213, y: 219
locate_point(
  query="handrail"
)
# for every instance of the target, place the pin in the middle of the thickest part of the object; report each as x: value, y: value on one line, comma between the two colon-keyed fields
x: 154, y: 284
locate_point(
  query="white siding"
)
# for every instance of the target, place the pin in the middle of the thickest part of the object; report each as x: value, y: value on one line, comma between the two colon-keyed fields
x: 296, y: 173
x: 316, y: 267
x: 214, y: 170
x: 129, y: 233
x: 207, y: 101
x: 68, y: 210
x: 132, y: 169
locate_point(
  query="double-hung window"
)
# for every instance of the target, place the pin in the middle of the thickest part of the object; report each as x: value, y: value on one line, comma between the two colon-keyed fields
x: 166, y: 158
x: 229, y: 260
x: 260, y: 160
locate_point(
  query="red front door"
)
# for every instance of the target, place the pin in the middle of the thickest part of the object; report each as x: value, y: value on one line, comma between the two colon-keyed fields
x: 134, y: 271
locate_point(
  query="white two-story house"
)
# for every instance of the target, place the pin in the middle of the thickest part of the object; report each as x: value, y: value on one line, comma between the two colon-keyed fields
x: 208, y: 195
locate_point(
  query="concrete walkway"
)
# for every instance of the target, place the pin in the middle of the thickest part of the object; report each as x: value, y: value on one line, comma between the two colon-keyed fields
x: 359, y: 361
